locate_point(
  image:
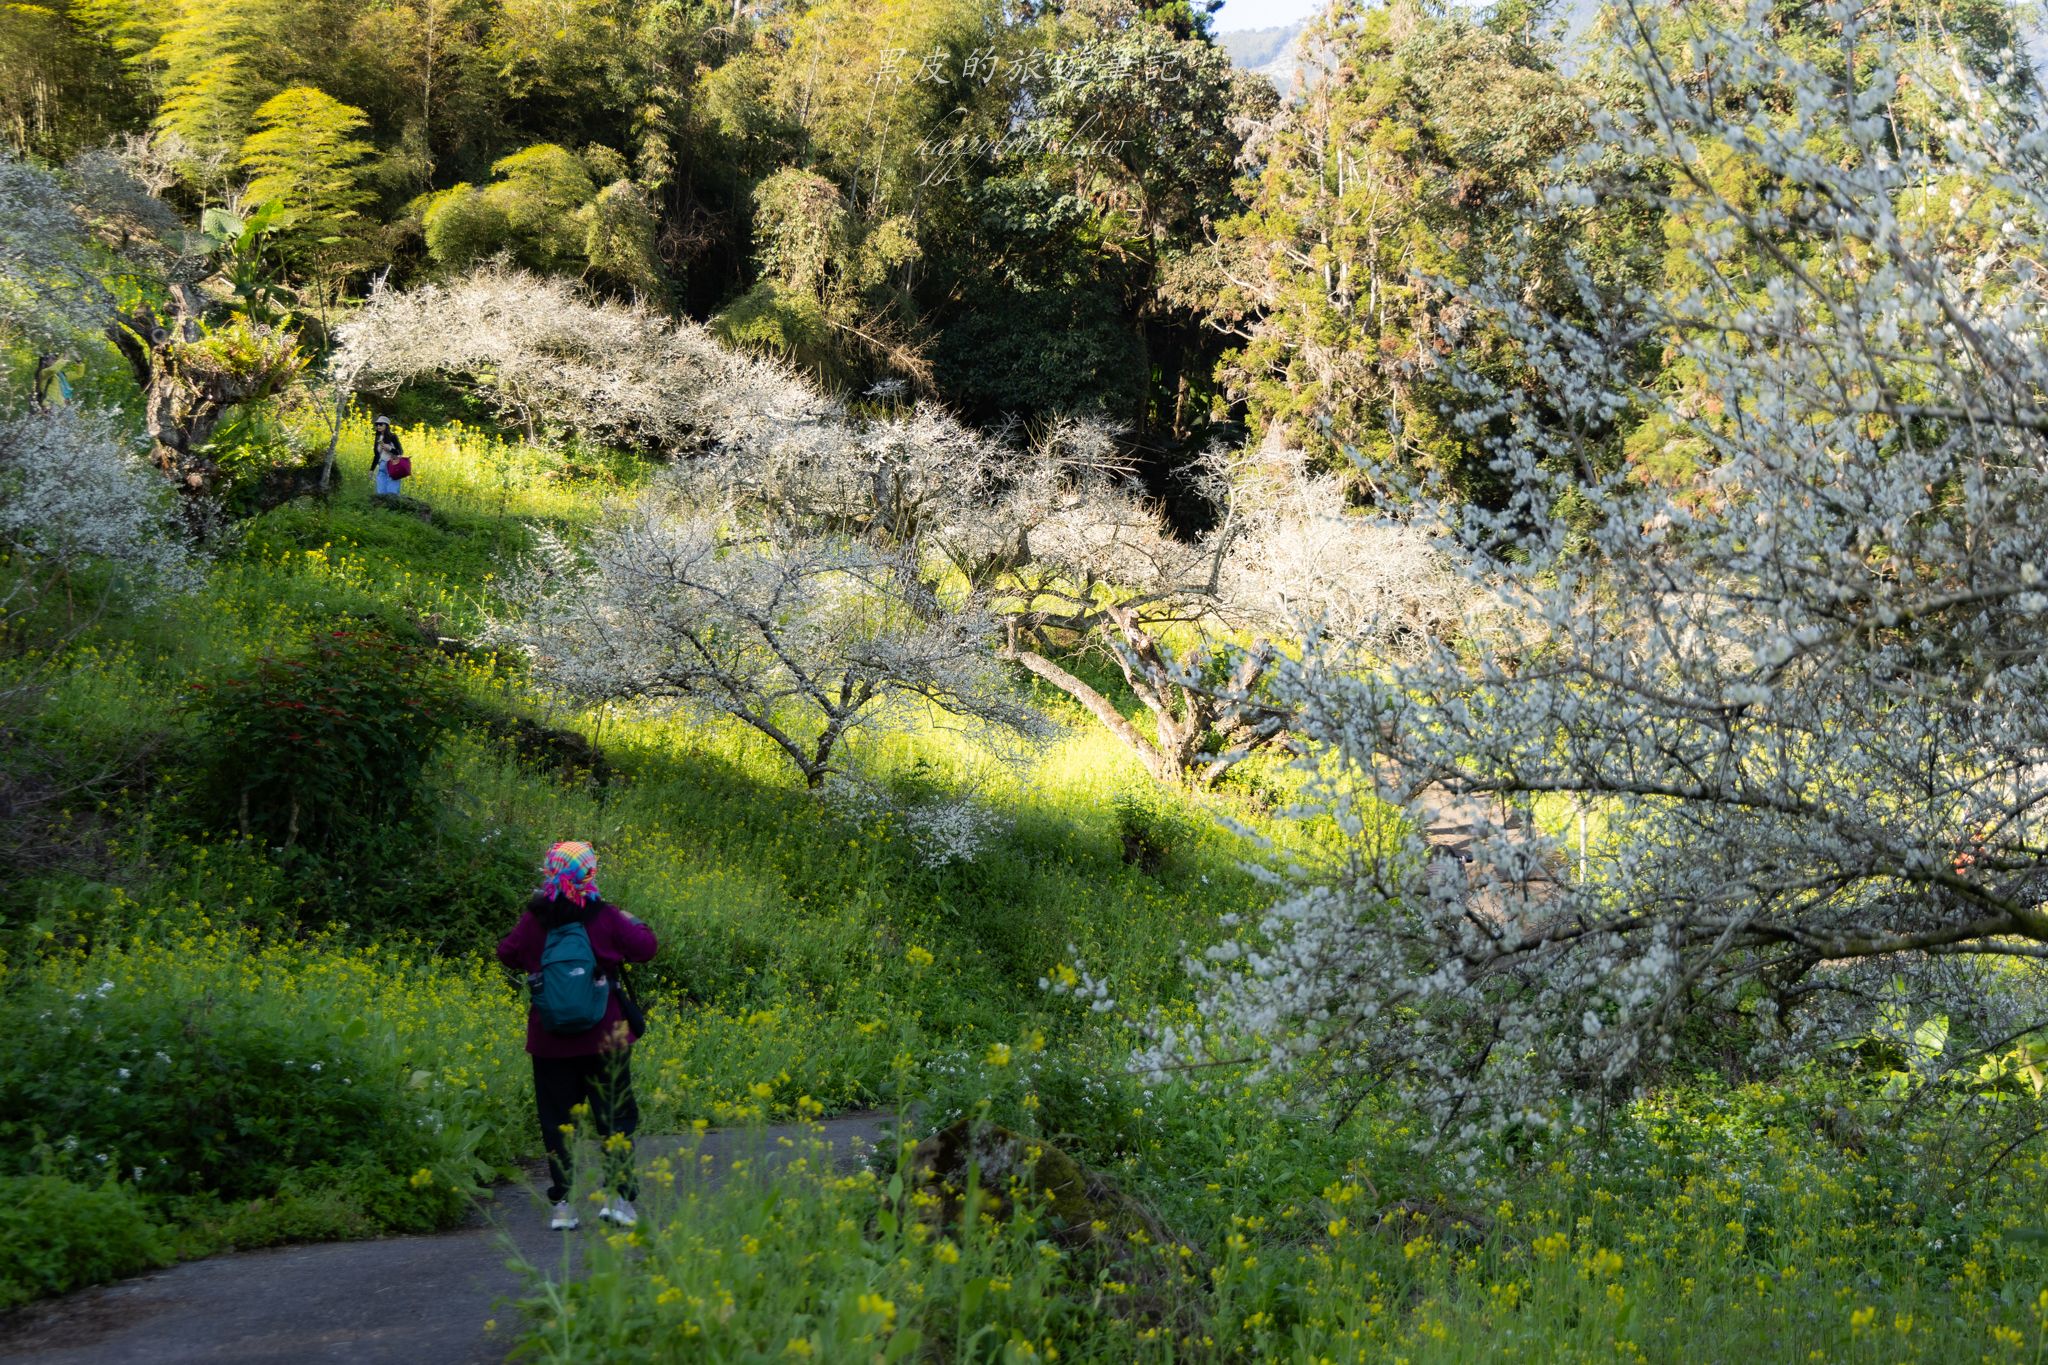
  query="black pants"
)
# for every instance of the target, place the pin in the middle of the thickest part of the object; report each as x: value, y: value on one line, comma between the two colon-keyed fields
x: 604, y: 1083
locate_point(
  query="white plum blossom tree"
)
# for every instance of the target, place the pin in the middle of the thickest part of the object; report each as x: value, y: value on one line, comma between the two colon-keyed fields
x: 1070, y: 557
x: 1804, y: 694
x: 85, y: 524
x: 1049, y: 535
x: 76, y: 496
x: 1299, y: 557
x: 780, y: 572
x: 76, y: 250
x: 549, y: 356
x: 1196, y: 627
x: 802, y: 637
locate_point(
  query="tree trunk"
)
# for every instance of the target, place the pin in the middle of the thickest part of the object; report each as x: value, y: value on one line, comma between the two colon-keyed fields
x: 1157, y: 764
x: 820, y: 765
x: 334, y: 437
x: 186, y: 392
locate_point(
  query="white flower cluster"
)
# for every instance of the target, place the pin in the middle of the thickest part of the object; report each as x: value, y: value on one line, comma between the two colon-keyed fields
x: 940, y: 830
x: 75, y: 495
x: 1297, y: 555
x: 1079, y: 984
x: 1052, y: 537
x: 550, y: 357
x: 1800, y: 696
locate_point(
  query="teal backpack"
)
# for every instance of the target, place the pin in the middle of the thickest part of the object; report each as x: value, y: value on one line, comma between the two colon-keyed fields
x: 567, y: 990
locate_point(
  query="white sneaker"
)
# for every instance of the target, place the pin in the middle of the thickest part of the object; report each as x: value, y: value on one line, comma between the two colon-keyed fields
x: 619, y: 1212
x: 564, y: 1219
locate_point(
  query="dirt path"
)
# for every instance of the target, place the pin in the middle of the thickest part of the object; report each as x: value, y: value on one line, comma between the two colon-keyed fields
x: 416, y: 1300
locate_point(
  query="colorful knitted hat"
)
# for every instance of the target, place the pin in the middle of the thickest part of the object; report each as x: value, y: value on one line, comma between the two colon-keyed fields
x: 570, y: 869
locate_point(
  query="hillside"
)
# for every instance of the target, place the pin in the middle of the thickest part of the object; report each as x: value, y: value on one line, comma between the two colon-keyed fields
x: 1269, y: 52
x: 928, y: 684
x: 813, y: 963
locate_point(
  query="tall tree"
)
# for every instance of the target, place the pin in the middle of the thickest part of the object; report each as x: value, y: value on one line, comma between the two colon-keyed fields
x: 829, y: 295
x: 420, y: 69
x: 539, y: 189
x: 304, y: 156
x: 619, y: 241
x: 1141, y: 113
x: 1808, y: 704
x: 1421, y: 147
x: 62, y: 86
x: 211, y: 82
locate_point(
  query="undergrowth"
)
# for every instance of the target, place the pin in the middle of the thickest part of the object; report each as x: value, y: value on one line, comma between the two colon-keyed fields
x: 232, y: 1029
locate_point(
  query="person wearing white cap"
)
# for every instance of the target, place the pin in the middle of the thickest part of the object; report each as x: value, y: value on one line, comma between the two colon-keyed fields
x: 388, y: 463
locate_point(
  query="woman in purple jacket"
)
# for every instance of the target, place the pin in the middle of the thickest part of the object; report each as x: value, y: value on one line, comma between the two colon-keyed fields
x: 593, y: 1067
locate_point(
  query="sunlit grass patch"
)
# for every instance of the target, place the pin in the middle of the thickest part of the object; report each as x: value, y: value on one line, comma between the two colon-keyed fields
x: 478, y: 477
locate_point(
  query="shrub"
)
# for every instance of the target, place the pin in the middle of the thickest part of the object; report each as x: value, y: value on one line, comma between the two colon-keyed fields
x: 463, y: 226
x: 57, y: 1235
x: 435, y: 877
x: 329, y: 1215
x: 1149, y: 827
x: 201, y: 1064
x: 208, y: 1096
x: 326, y: 745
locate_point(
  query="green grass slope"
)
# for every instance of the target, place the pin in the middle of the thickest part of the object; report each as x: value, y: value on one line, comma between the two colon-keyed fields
x: 228, y: 1039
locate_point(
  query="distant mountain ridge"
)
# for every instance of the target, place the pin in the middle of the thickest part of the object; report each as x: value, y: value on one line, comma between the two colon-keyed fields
x: 1273, y: 52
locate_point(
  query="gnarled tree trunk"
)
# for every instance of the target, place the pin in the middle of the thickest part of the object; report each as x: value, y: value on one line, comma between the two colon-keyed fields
x: 188, y: 385
x: 1200, y: 732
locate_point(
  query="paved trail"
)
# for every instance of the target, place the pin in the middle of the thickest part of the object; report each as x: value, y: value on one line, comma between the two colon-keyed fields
x: 415, y: 1300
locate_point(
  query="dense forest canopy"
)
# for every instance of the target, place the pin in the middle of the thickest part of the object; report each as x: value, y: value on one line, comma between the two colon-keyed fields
x: 1017, y: 212
x: 982, y: 202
